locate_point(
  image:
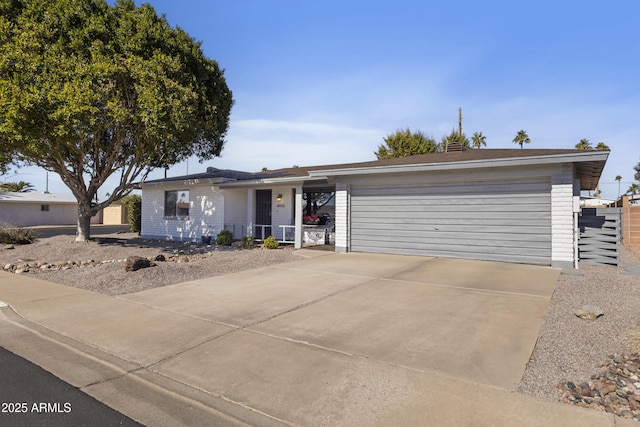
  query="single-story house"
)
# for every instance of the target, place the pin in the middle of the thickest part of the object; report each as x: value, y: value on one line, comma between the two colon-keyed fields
x: 32, y: 209
x: 517, y: 205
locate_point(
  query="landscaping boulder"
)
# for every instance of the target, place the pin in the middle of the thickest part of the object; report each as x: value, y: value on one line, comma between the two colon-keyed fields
x: 134, y: 263
x: 589, y: 312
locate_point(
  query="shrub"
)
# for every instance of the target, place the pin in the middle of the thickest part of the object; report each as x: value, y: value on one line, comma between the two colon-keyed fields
x: 247, y: 242
x: 225, y: 238
x: 16, y: 235
x: 133, y: 203
x: 271, y: 243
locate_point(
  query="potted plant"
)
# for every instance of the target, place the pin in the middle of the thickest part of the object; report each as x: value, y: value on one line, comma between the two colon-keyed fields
x: 206, y: 237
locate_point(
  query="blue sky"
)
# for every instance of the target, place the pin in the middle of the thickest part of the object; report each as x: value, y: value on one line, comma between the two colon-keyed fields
x: 324, y: 82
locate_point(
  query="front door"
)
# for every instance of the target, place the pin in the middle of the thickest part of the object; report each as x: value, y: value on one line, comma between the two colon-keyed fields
x: 263, y: 214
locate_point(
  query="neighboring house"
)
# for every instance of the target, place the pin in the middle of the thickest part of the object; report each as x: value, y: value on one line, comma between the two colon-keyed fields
x: 514, y: 205
x: 31, y: 209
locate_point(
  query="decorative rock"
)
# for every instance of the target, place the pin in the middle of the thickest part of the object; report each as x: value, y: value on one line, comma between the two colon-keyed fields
x: 619, y: 395
x: 589, y: 312
x: 134, y: 263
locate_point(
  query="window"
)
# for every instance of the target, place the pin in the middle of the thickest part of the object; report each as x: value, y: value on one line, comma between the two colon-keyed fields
x: 44, y: 208
x: 176, y: 203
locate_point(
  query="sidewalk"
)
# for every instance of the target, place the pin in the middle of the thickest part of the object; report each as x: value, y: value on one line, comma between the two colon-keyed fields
x: 176, y: 366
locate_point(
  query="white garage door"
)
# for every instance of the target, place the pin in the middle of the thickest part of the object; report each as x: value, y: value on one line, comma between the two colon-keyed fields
x: 491, y: 220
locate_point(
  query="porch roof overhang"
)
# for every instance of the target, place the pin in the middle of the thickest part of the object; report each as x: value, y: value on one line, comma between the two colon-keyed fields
x: 293, y: 181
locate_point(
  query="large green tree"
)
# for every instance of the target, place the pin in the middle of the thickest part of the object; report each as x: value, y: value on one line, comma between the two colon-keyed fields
x: 90, y: 91
x: 454, y: 136
x: 584, y: 144
x: 406, y: 143
x: 521, y: 138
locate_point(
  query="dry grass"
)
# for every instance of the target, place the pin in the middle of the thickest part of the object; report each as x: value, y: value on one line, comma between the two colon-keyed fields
x: 16, y: 235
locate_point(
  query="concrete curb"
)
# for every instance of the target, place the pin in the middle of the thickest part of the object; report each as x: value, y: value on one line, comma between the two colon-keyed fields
x: 135, y: 391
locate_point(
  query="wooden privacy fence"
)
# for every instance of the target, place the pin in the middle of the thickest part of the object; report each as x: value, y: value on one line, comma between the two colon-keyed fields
x: 600, y: 235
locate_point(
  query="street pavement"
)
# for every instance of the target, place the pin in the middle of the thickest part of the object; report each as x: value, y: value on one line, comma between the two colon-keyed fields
x: 45, y: 231
x: 31, y: 396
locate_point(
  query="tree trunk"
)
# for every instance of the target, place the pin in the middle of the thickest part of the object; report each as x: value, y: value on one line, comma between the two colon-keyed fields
x: 84, y: 228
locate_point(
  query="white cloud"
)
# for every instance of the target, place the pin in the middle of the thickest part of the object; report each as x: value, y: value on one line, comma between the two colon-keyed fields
x: 256, y: 143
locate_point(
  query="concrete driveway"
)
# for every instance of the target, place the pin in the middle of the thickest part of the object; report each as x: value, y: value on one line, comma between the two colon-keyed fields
x: 354, y: 328
x: 332, y: 339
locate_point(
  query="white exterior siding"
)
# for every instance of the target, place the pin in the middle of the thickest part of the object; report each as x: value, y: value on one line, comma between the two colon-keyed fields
x: 562, y: 218
x: 342, y: 218
x: 206, y: 212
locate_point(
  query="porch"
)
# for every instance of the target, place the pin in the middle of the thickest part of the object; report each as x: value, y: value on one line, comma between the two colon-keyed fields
x: 315, y: 219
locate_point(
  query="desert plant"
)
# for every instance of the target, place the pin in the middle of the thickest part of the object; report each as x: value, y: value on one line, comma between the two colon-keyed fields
x: 133, y: 202
x: 271, y: 243
x: 225, y: 238
x: 247, y: 242
x: 16, y: 235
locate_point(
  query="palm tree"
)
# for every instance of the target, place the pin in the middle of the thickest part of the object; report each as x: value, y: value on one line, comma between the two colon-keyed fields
x: 584, y: 144
x: 618, y: 178
x: 478, y: 140
x: 634, y: 189
x: 601, y: 146
x: 17, y: 187
x: 521, y: 138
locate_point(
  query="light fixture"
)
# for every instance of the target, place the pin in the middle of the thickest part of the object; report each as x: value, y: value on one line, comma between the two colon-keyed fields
x: 279, y: 198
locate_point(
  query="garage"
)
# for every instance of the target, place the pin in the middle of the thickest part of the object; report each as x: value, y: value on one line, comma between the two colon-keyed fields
x: 501, y: 220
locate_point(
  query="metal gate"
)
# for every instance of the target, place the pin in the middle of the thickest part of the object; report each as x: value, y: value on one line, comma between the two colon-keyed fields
x: 600, y: 235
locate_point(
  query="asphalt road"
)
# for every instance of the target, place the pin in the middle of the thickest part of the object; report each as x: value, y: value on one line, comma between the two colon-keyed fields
x: 70, y: 230
x: 31, y: 396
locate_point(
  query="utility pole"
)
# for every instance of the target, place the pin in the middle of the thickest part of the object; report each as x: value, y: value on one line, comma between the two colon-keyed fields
x: 460, y: 121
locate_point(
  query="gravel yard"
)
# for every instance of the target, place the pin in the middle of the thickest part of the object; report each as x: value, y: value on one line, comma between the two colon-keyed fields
x: 568, y: 348
x: 573, y: 349
x: 97, y: 265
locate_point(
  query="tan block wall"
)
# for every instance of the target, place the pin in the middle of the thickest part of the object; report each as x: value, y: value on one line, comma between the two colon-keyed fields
x: 114, y: 215
x: 631, y: 226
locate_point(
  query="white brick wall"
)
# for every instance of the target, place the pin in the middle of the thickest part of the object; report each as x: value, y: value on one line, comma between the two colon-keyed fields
x: 218, y: 208
x: 235, y: 211
x: 562, y: 226
x: 206, y: 208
